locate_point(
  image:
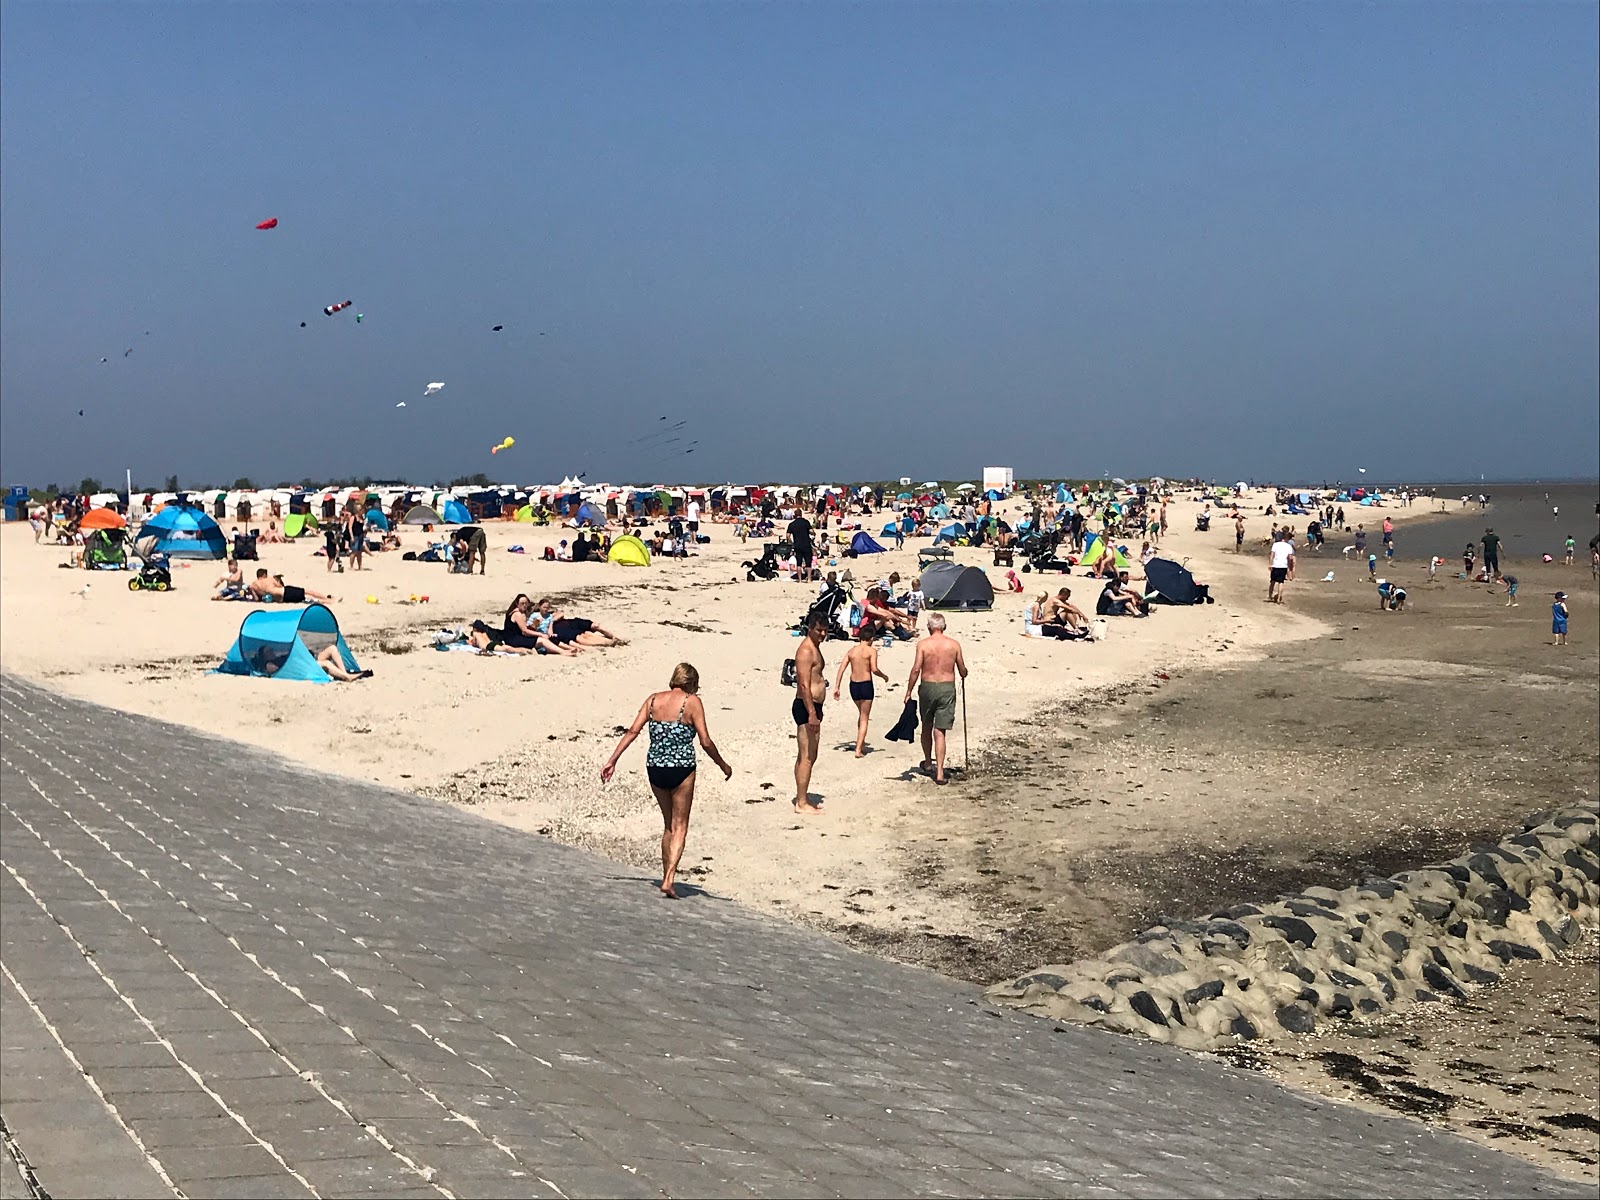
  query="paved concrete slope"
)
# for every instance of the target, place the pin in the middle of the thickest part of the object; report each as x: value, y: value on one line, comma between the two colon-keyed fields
x: 267, y: 982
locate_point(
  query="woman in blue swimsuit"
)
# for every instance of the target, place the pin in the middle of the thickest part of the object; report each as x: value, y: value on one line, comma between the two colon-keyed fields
x: 670, y: 760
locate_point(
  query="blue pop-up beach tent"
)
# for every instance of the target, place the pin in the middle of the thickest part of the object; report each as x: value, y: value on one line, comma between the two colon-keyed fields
x: 377, y: 520
x: 284, y: 644
x: 950, y: 533
x: 589, y: 515
x: 181, y: 531
x: 453, y: 512
x: 862, y: 543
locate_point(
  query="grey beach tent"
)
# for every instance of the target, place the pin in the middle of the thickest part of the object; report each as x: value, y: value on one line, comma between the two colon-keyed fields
x: 949, y: 585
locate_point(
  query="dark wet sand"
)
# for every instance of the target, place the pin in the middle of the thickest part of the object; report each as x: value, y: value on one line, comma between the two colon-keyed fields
x: 1392, y: 741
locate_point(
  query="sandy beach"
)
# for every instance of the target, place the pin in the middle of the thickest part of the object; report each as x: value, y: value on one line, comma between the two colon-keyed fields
x: 521, y: 740
x: 1206, y: 755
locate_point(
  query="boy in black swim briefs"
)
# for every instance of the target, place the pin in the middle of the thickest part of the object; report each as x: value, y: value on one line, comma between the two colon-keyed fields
x: 862, y: 663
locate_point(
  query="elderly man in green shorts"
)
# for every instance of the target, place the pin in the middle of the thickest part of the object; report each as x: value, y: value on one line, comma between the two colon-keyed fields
x: 937, y: 663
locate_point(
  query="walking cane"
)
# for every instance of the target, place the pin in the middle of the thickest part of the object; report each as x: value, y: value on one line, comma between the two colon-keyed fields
x: 963, y: 725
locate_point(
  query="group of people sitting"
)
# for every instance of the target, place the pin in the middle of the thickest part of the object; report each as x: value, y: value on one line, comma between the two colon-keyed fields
x: 541, y: 628
x: 1057, y: 617
x: 882, y: 613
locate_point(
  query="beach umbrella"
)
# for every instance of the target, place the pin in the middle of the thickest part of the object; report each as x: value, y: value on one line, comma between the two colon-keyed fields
x: 102, y: 518
x: 967, y: 487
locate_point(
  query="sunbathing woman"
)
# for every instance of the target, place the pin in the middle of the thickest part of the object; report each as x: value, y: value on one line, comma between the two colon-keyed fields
x: 574, y: 630
x: 521, y: 633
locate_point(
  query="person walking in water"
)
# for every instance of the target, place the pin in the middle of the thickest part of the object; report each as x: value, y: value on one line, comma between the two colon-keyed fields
x: 862, y: 663
x: 676, y: 717
x: 811, y: 688
x: 937, y: 663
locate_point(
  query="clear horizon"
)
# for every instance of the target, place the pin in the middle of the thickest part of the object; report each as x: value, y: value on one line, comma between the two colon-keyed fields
x: 834, y: 241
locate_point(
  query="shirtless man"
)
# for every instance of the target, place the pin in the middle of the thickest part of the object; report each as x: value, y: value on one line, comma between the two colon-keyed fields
x: 264, y: 585
x: 231, y: 585
x: 811, y: 688
x: 1062, y: 611
x: 938, y: 661
x: 862, y: 663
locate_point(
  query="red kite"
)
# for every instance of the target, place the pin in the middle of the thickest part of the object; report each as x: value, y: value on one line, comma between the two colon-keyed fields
x: 269, y: 223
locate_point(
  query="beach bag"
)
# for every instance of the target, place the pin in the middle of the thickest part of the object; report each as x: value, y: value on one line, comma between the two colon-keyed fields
x: 1098, y: 628
x: 789, y: 676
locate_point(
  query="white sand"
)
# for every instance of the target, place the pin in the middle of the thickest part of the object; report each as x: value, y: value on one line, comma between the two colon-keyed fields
x: 535, y: 731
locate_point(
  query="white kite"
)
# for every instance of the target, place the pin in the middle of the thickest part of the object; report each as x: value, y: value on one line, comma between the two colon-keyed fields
x: 434, y: 389
x: 1363, y: 470
x: 402, y: 404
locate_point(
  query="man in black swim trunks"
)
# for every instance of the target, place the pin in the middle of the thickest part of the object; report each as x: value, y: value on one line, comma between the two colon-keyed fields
x: 811, y: 687
x: 800, y: 534
x: 265, y: 586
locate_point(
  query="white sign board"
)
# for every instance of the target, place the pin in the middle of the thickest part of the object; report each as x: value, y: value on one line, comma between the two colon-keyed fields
x: 997, y: 478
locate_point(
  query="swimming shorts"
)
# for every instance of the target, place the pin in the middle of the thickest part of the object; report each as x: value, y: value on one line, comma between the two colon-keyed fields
x: 667, y: 777
x: 861, y: 691
x: 293, y: 594
x: 567, y: 629
x: 798, y: 708
x: 936, y: 703
x: 1280, y: 574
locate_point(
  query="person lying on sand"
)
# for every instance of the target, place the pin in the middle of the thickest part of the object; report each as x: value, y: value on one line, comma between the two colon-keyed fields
x: 329, y: 659
x: 264, y: 587
x: 487, y: 642
x: 568, y: 630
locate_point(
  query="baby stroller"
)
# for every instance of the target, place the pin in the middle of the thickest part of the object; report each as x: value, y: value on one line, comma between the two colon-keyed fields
x: 104, y: 550
x: 154, y: 576
x: 765, y: 567
x: 244, y: 547
x: 1202, y: 522
x: 833, y: 606
x: 1040, y: 555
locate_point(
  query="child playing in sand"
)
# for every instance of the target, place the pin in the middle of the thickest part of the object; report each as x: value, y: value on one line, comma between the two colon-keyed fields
x: 1468, y: 557
x: 1372, y: 566
x: 1558, y: 618
x: 1511, y: 590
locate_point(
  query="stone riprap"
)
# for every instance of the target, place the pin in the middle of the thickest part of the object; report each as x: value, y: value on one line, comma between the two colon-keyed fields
x: 1261, y: 970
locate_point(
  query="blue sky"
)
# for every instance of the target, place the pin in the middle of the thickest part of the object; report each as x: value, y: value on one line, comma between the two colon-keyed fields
x: 839, y: 241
